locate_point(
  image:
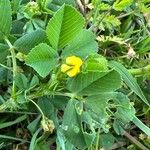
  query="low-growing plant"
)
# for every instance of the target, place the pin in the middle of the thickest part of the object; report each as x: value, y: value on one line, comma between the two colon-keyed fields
x: 57, y: 91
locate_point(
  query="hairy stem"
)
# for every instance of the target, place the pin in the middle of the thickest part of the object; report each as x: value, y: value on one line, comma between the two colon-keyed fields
x: 14, y: 63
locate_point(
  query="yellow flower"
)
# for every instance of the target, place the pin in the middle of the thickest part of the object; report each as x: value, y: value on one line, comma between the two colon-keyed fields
x: 72, y: 66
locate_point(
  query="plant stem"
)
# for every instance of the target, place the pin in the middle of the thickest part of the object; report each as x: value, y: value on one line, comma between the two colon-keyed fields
x: 81, y: 7
x: 97, y: 139
x: 94, y: 17
x: 13, y: 56
x: 13, y: 138
x: 136, y: 142
x: 140, y: 71
x: 5, y: 67
x: 124, y: 15
x: 37, y: 108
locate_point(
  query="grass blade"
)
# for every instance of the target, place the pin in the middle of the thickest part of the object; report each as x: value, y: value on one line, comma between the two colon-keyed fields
x: 129, y: 80
x: 141, y: 125
x: 10, y: 123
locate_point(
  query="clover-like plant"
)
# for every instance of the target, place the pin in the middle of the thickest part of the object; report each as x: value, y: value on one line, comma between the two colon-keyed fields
x: 76, y: 90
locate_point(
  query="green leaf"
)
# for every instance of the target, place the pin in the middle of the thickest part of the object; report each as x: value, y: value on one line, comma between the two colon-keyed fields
x: 144, y: 45
x: 83, y: 80
x: 96, y: 63
x: 46, y: 107
x: 10, y: 123
x: 82, y: 45
x: 107, y: 140
x: 29, y: 41
x: 43, y: 59
x: 60, y: 139
x: 141, y: 125
x: 58, y: 2
x: 109, y: 22
x: 128, y: 79
x: 71, y: 127
x: 59, y: 102
x: 33, y: 140
x: 98, y: 103
x: 124, y: 114
x: 15, y: 5
x: 92, y: 83
x: 103, y: 6
x: 120, y: 5
x: 32, y: 127
x: 125, y: 111
x: 64, y: 26
x: 117, y: 125
x: 12, y: 138
x: 43, y: 145
x: 21, y: 81
x: 17, y: 27
x: 34, y: 82
x: 3, y: 52
x: 5, y: 15
x: 54, y: 5
x: 3, y: 74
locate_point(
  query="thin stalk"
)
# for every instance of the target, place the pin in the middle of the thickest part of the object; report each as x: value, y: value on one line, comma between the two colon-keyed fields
x: 97, y: 139
x: 124, y: 15
x: 5, y: 67
x: 140, y: 71
x: 94, y: 18
x: 102, y: 20
x: 37, y: 108
x: 13, y: 138
x: 17, y: 112
x: 40, y: 94
x: 144, y: 113
x: 13, y: 56
x: 136, y: 142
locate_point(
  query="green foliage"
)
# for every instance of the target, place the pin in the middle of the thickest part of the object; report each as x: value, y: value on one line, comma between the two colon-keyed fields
x: 43, y: 59
x: 29, y: 41
x: 142, y: 126
x: 96, y: 63
x: 72, y: 129
x: 7, y: 124
x: 129, y: 80
x: 107, y: 140
x: 63, y: 31
x: 109, y: 22
x: 103, y: 6
x: 86, y: 45
x: 98, y: 103
x: 3, y: 52
x: 125, y: 111
x: 91, y: 83
x: 143, y: 45
x: 42, y: 107
x: 5, y: 15
x: 144, y: 6
x: 121, y: 5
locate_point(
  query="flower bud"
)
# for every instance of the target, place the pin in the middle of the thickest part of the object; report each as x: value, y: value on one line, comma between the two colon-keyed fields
x: 47, y: 125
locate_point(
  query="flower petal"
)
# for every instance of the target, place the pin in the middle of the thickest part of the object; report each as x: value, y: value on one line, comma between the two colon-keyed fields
x: 73, y: 72
x: 65, y: 68
x: 73, y: 60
